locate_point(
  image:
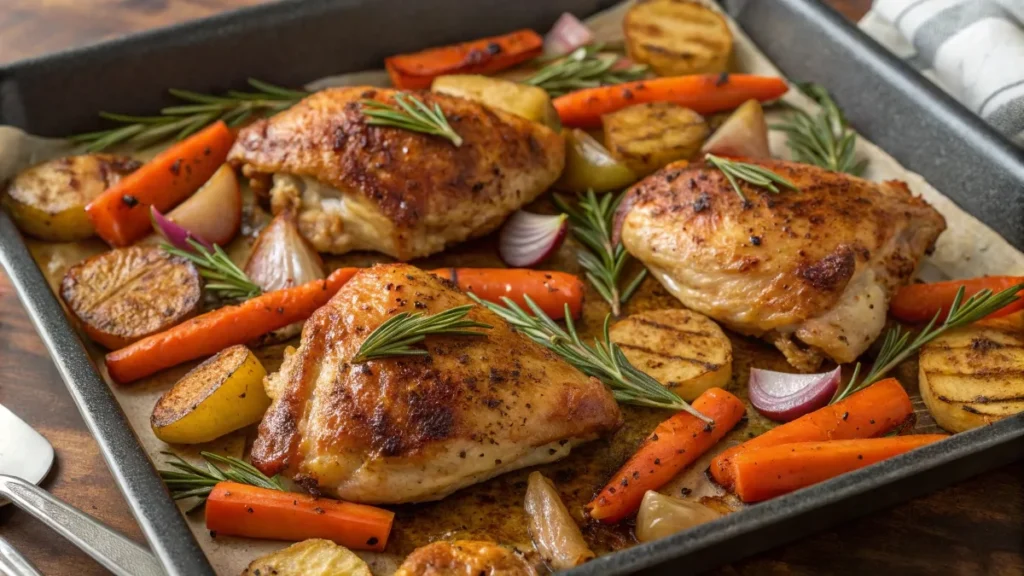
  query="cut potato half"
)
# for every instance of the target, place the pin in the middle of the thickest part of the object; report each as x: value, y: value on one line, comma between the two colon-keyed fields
x: 529, y: 102
x: 646, y: 137
x: 219, y: 396
x: 684, y: 350
x: 313, y: 557
x: 678, y: 37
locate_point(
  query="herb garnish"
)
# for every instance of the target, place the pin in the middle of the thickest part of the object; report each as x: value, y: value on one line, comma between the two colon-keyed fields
x: 585, y: 67
x: 824, y: 139
x: 228, y: 280
x: 411, y: 114
x: 752, y: 174
x: 396, y: 336
x: 186, y: 480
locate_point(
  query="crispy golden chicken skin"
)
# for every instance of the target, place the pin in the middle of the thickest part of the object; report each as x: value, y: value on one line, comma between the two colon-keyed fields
x: 810, y: 270
x: 415, y: 428
x: 407, y: 194
x: 464, y: 558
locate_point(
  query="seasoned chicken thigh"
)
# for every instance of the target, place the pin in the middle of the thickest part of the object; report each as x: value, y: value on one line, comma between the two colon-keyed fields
x: 407, y: 194
x: 414, y: 428
x: 810, y: 270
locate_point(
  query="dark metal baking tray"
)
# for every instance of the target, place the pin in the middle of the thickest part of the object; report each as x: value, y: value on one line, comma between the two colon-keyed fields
x: 294, y: 41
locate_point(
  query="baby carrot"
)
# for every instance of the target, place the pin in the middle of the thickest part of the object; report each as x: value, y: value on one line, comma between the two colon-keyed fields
x: 241, y: 510
x: 549, y: 290
x: 675, y: 444
x: 483, y: 56
x: 871, y: 412
x: 920, y: 302
x: 218, y: 329
x: 763, y: 473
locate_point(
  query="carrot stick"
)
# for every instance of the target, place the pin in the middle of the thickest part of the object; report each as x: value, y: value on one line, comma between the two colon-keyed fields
x: 675, y: 444
x: 871, y: 412
x: 253, y: 512
x: 763, y: 473
x: 549, y: 290
x: 121, y: 214
x: 483, y: 56
x: 920, y: 302
x: 705, y: 94
x: 218, y: 329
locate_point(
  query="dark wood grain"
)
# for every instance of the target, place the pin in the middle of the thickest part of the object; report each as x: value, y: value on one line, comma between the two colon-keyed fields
x: 976, y: 527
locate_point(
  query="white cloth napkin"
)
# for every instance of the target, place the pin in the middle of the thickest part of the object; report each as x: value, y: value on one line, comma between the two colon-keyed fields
x: 972, y: 49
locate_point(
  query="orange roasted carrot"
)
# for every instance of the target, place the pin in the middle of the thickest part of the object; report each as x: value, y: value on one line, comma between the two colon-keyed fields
x: 549, y: 290
x: 254, y: 512
x: 871, y: 412
x: 703, y: 93
x: 920, y: 302
x: 121, y: 214
x: 483, y: 56
x: 675, y: 444
x: 218, y: 329
x: 763, y: 473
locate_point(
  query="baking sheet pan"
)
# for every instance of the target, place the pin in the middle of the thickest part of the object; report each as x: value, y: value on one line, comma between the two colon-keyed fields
x: 290, y: 42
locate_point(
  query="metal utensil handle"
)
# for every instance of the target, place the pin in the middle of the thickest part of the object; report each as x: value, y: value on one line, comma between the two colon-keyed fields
x: 12, y: 563
x: 116, y: 553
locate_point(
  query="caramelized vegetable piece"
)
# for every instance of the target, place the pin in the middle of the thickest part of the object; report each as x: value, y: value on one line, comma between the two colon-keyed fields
x: 589, y: 166
x: 127, y: 294
x: 530, y: 102
x: 662, y: 516
x: 554, y: 532
x: 744, y: 133
x: 648, y: 136
x: 483, y: 56
x: 548, y: 289
x: 921, y: 302
x: 282, y: 258
x: 48, y: 201
x: 315, y: 557
x: 678, y: 37
x: 464, y: 557
x: 219, y: 396
x: 214, y: 212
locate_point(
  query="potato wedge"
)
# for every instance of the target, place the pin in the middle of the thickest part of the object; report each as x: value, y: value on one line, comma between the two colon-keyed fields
x: 127, y: 294
x: 684, y: 350
x: 48, y: 201
x: 646, y: 137
x: 678, y: 37
x: 219, y: 396
x: 529, y: 102
x: 313, y: 557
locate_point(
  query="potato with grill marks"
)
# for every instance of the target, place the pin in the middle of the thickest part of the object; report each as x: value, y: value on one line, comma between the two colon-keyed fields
x: 678, y: 37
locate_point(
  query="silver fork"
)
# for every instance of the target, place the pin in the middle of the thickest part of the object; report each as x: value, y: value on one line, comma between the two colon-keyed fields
x: 12, y: 563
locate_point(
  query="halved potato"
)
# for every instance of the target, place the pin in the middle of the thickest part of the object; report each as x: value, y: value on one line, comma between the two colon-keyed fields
x: 678, y: 37
x: 219, y: 396
x: 313, y: 557
x: 530, y: 102
x: 684, y: 350
x: 646, y: 137
x: 48, y: 201
x: 129, y: 293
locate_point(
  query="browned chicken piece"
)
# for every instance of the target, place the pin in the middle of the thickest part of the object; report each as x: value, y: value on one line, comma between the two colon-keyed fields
x: 407, y: 194
x: 464, y: 558
x: 810, y: 270
x: 416, y: 428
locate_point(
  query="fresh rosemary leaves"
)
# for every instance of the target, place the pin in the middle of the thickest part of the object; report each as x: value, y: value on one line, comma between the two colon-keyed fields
x: 585, y: 67
x: 750, y: 173
x: 178, y: 122
x: 824, y: 139
x: 410, y: 114
x: 898, y: 346
x: 186, y: 480
x: 223, y: 277
x: 604, y: 360
x: 396, y: 336
x: 604, y: 261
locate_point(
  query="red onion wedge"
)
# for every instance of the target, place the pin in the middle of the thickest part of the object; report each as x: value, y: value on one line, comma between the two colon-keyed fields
x: 743, y: 134
x: 174, y: 233
x: 527, y: 238
x: 215, y: 210
x: 566, y: 35
x: 784, y: 397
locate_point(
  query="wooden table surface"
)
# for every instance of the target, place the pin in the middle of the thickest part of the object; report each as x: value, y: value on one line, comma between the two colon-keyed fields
x: 974, y: 528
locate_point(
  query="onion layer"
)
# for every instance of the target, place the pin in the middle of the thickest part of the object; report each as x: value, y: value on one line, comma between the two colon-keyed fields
x: 784, y: 397
x: 555, y: 534
x: 662, y: 516
x: 527, y: 238
x: 282, y: 258
x: 744, y: 134
x: 214, y: 212
x: 566, y: 35
x: 175, y: 234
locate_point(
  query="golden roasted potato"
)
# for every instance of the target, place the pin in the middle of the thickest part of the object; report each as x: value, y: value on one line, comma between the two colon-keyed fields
x: 530, y: 102
x: 648, y: 136
x: 219, y: 396
x: 313, y: 557
x: 678, y: 37
x: 48, y: 201
x: 129, y: 293
x: 684, y: 350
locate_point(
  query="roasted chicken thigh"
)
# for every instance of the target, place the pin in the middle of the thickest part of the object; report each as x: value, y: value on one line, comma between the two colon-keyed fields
x: 810, y: 270
x: 414, y: 428
x: 355, y: 186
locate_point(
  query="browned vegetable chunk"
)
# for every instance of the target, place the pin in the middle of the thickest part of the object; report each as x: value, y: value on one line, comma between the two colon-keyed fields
x: 130, y: 293
x: 678, y: 37
x: 646, y: 137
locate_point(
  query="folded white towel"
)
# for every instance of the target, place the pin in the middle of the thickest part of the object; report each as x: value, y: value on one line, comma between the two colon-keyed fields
x: 972, y: 49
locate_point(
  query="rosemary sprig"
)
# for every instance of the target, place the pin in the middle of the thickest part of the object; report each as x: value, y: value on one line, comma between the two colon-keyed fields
x: 222, y: 275
x: 585, y: 67
x: 396, y: 336
x: 824, y: 139
x: 186, y: 480
x: 411, y: 114
x: 604, y: 360
x: 752, y: 174
x: 897, y: 345
x: 178, y: 122
x: 604, y: 260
